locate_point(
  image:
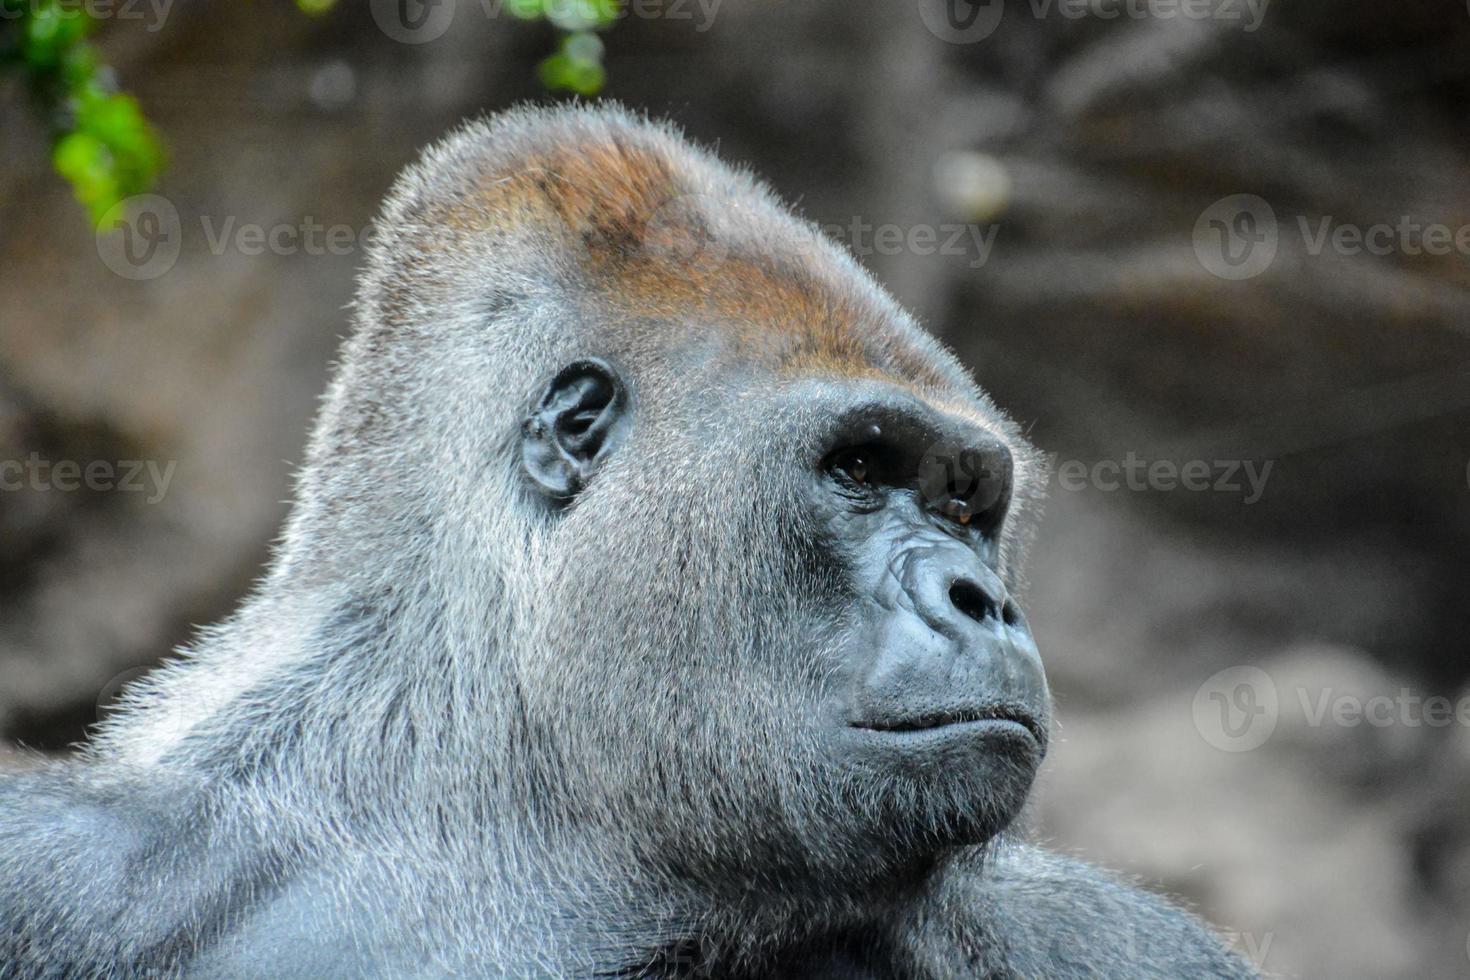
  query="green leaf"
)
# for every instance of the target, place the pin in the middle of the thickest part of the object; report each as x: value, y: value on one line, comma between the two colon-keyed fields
x: 576, y: 66
x: 104, y: 146
x: 49, y: 31
x: 86, y: 163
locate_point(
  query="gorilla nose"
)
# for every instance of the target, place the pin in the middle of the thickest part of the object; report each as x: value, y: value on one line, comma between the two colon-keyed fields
x: 982, y: 601
x: 971, y: 600
x: 953, y: 591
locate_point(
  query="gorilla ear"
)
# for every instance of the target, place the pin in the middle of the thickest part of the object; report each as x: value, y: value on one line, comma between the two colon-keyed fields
x: 573, y: 428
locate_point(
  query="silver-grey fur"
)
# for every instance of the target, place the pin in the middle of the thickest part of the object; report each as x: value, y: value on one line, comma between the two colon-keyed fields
x: 454, y: 732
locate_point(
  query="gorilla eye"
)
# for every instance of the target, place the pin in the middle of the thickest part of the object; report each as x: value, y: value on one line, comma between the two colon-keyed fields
x: 957, y: 510
x: 970, y: 487
x: 852, y: 464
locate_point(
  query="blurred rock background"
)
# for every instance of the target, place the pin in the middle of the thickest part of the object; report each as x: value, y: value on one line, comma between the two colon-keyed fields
x: 1086, y: 150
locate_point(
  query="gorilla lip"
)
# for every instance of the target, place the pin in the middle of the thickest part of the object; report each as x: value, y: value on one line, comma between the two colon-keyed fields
x: 937, y: 720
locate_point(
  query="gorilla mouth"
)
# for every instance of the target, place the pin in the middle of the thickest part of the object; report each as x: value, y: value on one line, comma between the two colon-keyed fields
x: 933, y: 721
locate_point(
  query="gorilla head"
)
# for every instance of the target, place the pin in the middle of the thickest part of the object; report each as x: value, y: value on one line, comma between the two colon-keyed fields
x: 641, y: 521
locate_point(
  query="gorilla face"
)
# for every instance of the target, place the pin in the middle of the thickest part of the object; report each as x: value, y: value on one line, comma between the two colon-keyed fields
x: 938, y: 684
x: 822, y: 651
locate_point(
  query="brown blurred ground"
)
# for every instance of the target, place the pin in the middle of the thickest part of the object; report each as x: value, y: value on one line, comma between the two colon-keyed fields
x: 1093, y: 146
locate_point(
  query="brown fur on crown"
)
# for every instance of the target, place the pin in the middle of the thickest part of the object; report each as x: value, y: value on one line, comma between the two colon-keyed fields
x: 661, y: 231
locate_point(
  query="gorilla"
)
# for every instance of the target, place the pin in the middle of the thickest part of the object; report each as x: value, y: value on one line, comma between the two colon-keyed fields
x: 646, y: 609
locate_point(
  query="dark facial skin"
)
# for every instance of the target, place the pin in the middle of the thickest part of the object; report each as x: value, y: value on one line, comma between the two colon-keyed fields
x: 941, y: 682
x: 938, y: 684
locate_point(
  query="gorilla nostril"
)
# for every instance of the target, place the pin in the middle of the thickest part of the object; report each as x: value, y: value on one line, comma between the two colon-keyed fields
x: 1009, y: 613
x: 971, y: 600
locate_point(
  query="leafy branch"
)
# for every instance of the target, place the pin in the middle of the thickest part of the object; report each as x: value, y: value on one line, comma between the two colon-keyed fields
x: 100, y: 141
x: 106, y: 149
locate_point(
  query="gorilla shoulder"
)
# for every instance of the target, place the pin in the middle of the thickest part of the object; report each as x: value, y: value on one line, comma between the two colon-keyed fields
x: 1023, y: 911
